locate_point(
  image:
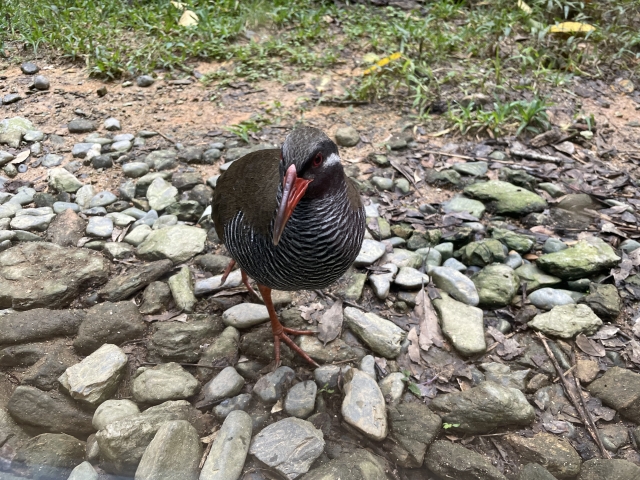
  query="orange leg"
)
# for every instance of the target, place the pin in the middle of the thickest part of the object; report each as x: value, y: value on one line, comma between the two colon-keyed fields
x: 245, y: 278
x: 280, y: 332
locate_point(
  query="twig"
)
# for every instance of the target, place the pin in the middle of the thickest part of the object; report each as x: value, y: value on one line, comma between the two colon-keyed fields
x: 403, y: 173
x: 185, y: 365
x: 344, y: 302
x: 579, y: 405
x: 345, y: 361
x: 530, y: 155
x: 447, y: 154
x: 166, y: 138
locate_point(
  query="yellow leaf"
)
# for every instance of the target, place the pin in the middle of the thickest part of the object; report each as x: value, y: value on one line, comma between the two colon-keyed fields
x: 178, y: 5
x: 188, y: 19
x: 572, y: 28
x: 524, y: 7
x: 370, y: 57
x: 382, y: 62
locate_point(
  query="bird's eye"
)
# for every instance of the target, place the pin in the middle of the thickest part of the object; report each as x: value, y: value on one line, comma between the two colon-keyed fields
x: 317, y: 161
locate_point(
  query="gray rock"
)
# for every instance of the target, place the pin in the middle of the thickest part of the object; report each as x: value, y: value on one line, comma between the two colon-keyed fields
x: 24, y: 196
x: 450, y: 460
x: 270, y: 388
x: 167, y: 381
x: 229, y: 450
x: 456, y: 284
x: 619, y: 388
x: 476, y: 169
x: 121, y: 146
x: 587, y: 257
x: 358, y: 465
x: 604, y: 300
x: 50, y: 456
x: 47, y: 275
x: 5, y: 157
x: 326, y: 376
x: 38, y: 324
x: 552, y: 245
x: 181, y: 341
x: 101, y: 227
x: 547, y: 298
x: 245, y: 315
x: 534, y: 471
x: 135, y: 169
x: 173, y: 454
x: 381, y: 282
x: 382, y: 183
x: 33, y: 136
x: 8, y: 210
x: 36, y: 223
x: 454, y: 264
x: 370, y: 251
x: 49, y: 411
x: 81, y: 125
x: 108, y: 323
x: 11, y: 98
x: 614, y: 437
x: 413, y: 428
x: 613, y: 469
x: 181, y: 285
x: 63, y: 181
x: 177, y: 243
x: 137, y: 235
x: 392, y: 387
x: 224, y: 385
x: 161, y: 160
x: 224, y: 408
x: 41, y: 82
x: 497, y: 284
x: 483, y: 408
x: 84, y: 196
x: 112, y: 124
x: 161, y: 194
x: 535, y: 278
x: 567, y: 321
x: 12, y: 130
x: 336, y: 351
x: 462, y: 324
x: 95, y: 378
x: 113, y: 410
x: 84, y: 471
x: 410, y: 278
x: 145, y: 81
x: 347, y: 137
x: 555, y: 454
x: 126, y: 284
x: 382, y: 336
x: 463, y: 204
x: 289, y: 446
x: 102, y: 199
x: 506, y: 198
x: 301, y: 399
x: 368, y: 365
x: 501, y: 374
x: 363, y: 406
x: 59, y: 207
x: 221, y: 353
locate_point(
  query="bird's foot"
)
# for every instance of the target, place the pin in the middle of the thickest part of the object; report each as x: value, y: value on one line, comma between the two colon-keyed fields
x: 291, y: 344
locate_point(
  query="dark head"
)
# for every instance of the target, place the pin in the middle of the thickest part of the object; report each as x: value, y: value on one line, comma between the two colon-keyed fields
x: 310, y: 168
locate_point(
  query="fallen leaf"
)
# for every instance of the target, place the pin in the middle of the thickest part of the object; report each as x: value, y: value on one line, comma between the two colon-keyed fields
x: 382, y: 62
x: 606, y: 332
x: 440, y: 133
x: 330, y: 324
x: 589, y: 347
x: 430, y: 333
x: 572, y: 28
x: 524, y: 7
x: 21, y: 157
x: 178, y: 5
x: 163, y: 316
x: 188, y: 19
x: 541, y: 229
x: 414, y: 346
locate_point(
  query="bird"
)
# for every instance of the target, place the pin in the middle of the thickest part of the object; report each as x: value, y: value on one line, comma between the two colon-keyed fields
x: 291, y: 219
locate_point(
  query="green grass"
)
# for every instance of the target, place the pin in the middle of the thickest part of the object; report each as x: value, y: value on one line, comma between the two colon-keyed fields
x: 466, y: 46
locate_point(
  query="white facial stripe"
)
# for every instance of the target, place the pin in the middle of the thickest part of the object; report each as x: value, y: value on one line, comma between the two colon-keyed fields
x: 332, y: 160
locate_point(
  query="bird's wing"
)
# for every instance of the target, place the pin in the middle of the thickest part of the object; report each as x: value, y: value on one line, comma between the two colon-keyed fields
x: 249, y: 185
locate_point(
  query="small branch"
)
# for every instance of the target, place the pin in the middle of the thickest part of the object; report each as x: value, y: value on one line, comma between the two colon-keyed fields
x: 184, y: 365
x: 579, y: 405
x: 530, y: 155
x: 168, y: 139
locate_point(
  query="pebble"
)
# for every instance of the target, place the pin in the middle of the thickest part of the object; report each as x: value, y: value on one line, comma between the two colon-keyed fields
x: 29, y: 68
x: 402, y: 258
x: 587, y: 257
x: 135, y: 169
x: 368, y: 365
x: 38, y: 223
x: 454, y: 264
x: 363, y: 406
x: 381, y: 282
x: 555, y: 454
x: 33, y: 136
x: 145, y: 81
x: 392, y: 387
x: 112, y: 124
x: 462, y: 324
x: 370, y: 252
x: 62, y: 181
x: 102, y: 199
x: 101, y: 227
x: 410, y: 278
x: 177, y: 243
x: 496, y: 284
x: 167, y: 381
x: 122, y: 146
x: 161, y: 194
x: 382, y: 183
x: 301, y: 399
x: 174, y: 453
x: 289, y: 446
x: 455, y: 284
x: 40, y: 82
x: 347, y: 137
x: 552, y: 245
x: 476, y: 169
x: 113, y: 410
x: 245, y: 315
x: 402, y: 184
x: 270, y: 387
x: 503, y: 375
x: 11, y: 98
x: 567, y: 321
x: 120, y: 219
x: 451, y: 460
x: 84, y: 471
x: 229, y: 450
x: 463, y: 204
x: 513, y: 260
x: 181, y: 285
x: 227, y: 383
x: 224, y: 408
x: 95, y: 211
x: 326, y: 376
x: 81, y: 125
x: 95, y: 378
x: 382, y: 336
x: 547, y: 298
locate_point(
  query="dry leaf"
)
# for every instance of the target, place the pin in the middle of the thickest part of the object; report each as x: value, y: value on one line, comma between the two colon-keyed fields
x: 330, y: 324
x: 572, y: 28
x: 542, y: 229
x: 524, y: 7
x: 606, y: 332
x: 188, y: 19
x: 430, y: 333
x: 589, y: 347
x: 178, y: 5
x: 163, y: 316
x: 414, y: 347
x: 21, y: 157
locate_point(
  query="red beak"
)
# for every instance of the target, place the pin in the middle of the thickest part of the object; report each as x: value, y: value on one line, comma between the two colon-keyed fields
x: 293, y: 189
